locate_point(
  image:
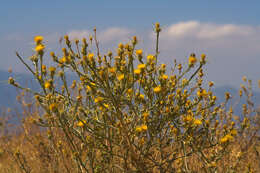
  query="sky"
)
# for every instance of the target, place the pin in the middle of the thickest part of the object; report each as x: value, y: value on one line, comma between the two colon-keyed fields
x: 228, y: 32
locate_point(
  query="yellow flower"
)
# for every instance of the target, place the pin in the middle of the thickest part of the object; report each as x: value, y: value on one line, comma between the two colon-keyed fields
x: 98, y: 99
x: 64, y: 60
x: 150, y: 57
x: 188, y: 119
x: 227, y: 96
x: 145, y: 115
x: 141, y: 96
x: 106, y: 105
x: 137, y: 71
x: 81, y: 123
x: 88, y: 88
x: 90, y: 56
x: 53, y: 107
x: 167, y: 109
x: 144, y: 127
x: 163, y: 66
x: 38, y: 39
x: 197, y: 122
x: 142, y: 141
x: 120, y: 77
x: 39, y: 48
x: 141, y: 128
x: 66, y: 37
x: 112, y: 70
x: 44, y: 68
x: 201, y: 93
x: 203, y: 58
x: 192, y: 60
x: 92, y: 83
x: 233, y: 132
x: 47, y: 85
x: 211, y: 84
x: 157, y: 89
x: 120, y: 45
x: 130, y: 91
x: 141, y: 66
x: 138, y: 129
x: 139, y: 52
x: 164, y: 76
x: 226, y: 138
x: 52, y: 69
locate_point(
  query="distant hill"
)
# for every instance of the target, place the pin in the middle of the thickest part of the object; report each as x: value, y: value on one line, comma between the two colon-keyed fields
x: 8, y: 93
x: 220, y: 93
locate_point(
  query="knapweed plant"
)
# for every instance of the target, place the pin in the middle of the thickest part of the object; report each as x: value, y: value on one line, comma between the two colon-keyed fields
x: 126, y: 112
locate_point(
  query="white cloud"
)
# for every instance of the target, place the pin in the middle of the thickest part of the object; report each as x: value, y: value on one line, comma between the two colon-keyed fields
x: 115, y: 33
x: 104, y: 36
x: 78, y: 34
x: 200, y: 30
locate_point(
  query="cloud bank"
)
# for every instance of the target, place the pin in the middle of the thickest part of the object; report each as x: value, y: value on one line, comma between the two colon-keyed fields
x: 207, y: 30
x: 105, y: 36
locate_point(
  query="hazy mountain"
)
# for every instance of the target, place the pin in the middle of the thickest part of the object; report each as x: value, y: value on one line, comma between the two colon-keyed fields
x: 236, y: 102
x: 8, y: 93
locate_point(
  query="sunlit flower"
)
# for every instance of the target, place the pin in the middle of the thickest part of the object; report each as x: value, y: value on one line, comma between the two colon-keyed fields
x: 188, y: 118
x: 144, y: 127
x: 53, y: 107
x: 197, y: 122
x: 137, y: 71
x: 98, y: 99
x: 192, y: 60
x: 81, y: 123
x: 163, y: 66
x: 63, y: 60
x: 141, y: 128
x: 145, y: 115
x: 112, y: 70
x: 150, y: 57
x: 38, y: 39
x: 202, y: 93
x: 141, y: 66
x: 138, y: 129
x: 203, y: 58
x: 120, y: 77
x: 11, y: 80
x: 120, y: 45
x: 139, y: 52
x: 157, y: 89
x: 164, y: 76
x: 233, y: 132
x: 211, y: 84
x: 52, y: 69
x: 90, y: 56
x: 130, y: 91
x: 39, y: 48
x: 226, y: 138
x: 227, y: 95
x: 47, y: 85
x: 141, y: 96
x: 106, y: 105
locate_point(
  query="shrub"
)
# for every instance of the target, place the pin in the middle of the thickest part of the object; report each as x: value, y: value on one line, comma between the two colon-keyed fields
x: 128, y: 113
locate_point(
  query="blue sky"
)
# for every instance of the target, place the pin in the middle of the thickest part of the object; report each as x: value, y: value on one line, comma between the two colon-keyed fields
x: 31, y: 15
x: 231, y: 29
